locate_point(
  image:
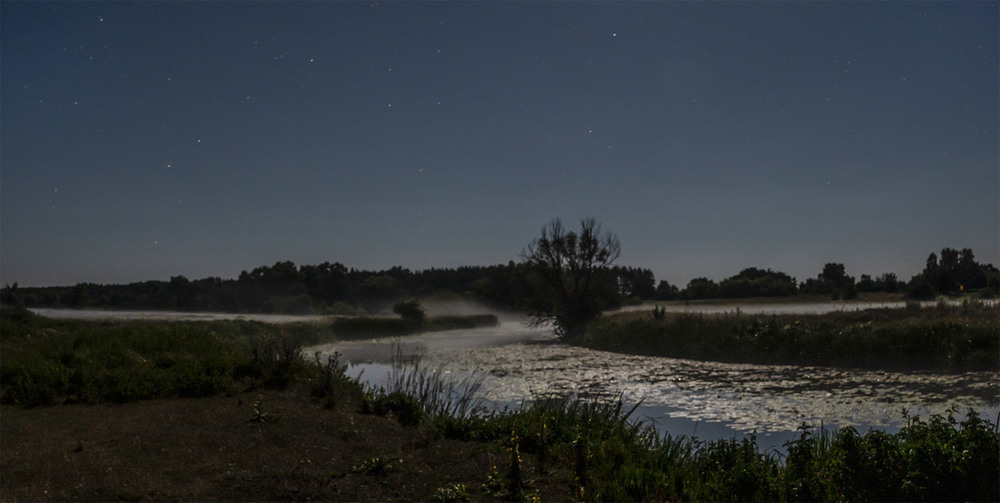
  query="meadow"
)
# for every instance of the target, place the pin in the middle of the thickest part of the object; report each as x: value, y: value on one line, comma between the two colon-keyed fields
x: 233, y: 410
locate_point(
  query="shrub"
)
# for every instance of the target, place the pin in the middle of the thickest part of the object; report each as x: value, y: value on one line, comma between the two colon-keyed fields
x: 409, y: 310
x: 405, y: 408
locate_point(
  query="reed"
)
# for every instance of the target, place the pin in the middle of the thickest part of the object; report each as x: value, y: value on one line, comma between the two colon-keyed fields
x: 414, y: 393
x: 944, y: 338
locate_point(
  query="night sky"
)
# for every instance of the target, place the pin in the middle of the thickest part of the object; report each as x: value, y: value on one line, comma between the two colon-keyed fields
x: 143, y: 140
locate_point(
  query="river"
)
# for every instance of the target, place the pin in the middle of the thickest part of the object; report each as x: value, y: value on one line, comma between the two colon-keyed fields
x: 708, y: 400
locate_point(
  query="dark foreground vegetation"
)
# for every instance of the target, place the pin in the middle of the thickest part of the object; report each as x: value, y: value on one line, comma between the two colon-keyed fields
x: 946, y: 337
x: 273, y: 425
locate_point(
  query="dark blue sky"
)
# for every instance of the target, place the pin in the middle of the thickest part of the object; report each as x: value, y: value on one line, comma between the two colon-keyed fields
x: 142, y: 140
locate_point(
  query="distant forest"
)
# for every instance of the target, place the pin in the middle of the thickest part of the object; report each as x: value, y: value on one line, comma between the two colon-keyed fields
x: 334, y: 289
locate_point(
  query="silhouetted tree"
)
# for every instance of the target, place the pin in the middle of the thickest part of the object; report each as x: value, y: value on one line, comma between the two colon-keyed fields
x: 754, y: 282
x: 956, y: 271
x: 11, y: 296
x: 920, y: 288
x: 665, y: 291
x: 572, y: 273
x: 887, y: 283
x: 701, y: 288
x: 832, y: 280
x: 634, y: 282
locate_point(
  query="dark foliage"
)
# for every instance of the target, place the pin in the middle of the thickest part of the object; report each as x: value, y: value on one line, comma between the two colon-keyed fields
x: 956, y: 271
x: 573, y: 280
x: 324, y: 289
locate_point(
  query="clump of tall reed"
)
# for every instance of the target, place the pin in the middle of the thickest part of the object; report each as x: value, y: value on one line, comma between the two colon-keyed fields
x: 414, y: 393
x: 332, y: 382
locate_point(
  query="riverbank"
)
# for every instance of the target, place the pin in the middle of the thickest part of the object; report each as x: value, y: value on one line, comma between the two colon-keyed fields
x: 285, y: 446
x: 942, y: 337
x: 295, y: 430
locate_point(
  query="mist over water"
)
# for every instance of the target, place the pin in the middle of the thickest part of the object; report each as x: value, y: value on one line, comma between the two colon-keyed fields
x: 682, y: 397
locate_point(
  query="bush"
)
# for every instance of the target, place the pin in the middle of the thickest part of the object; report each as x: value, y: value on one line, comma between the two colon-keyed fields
x: 409, y: 310
x: 405, y: 408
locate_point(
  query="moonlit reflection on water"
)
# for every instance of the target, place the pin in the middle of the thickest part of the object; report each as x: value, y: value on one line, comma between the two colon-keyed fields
x: 683, y: 397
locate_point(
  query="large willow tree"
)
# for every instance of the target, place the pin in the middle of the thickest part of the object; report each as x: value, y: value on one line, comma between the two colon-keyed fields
x: 571, y: 270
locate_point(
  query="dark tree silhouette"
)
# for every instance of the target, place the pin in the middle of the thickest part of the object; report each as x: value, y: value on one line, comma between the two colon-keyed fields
x: 572, y: 273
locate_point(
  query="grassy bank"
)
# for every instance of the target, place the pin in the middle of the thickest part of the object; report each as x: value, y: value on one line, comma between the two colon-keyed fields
x: 941, y: 338
x: 272, y: 426
x: 48, y: 361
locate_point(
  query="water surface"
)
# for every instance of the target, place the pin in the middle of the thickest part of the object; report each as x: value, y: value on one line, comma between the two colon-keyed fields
x: 682, y: 397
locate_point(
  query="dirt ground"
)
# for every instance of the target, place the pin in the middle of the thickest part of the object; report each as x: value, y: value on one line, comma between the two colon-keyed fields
x: 218, y: 449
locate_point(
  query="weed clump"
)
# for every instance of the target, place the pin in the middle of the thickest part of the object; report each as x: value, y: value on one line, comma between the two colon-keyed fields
x: 377, y: 466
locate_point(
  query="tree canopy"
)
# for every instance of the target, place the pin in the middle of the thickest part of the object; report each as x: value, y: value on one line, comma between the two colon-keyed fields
x: 572, y: 274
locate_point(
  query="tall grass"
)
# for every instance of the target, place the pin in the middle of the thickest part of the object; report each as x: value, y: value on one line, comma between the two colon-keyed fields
x: 414, y: 393
x: 960, y: 338
x: 43, y: 361
x: 601, y: 454
x: 941, y: 459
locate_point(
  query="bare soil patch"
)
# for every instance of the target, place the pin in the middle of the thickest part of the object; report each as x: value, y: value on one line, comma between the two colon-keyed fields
x: 222, y: 448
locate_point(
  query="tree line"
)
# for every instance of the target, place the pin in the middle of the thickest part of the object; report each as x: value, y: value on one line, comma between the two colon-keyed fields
x: 333, y: 288
x: 956, y: 272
